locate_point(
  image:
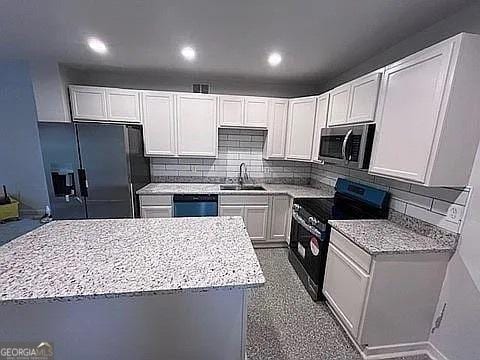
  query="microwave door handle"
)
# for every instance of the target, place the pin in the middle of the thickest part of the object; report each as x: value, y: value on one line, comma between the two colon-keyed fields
x: 344, y: 145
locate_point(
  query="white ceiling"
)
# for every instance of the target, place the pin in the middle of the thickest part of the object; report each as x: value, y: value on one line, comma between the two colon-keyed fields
x: 318, y: 39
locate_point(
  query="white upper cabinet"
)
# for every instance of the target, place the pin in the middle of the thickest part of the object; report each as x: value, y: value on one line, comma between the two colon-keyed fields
x: 232, y: 110
x: 425, y: 129
x: 363, y: 98
x: 339, y: 100
x: 88, y: 103
x: 301, y: 124
x: 50, y: 92
x: 197, y: 125
x: 355, y: 101
x: 320, y: 123
x: 256, y: 112
x: 274, y: 147
x: 123, y: 105
x: 159, y: 123
x: 243, y: 111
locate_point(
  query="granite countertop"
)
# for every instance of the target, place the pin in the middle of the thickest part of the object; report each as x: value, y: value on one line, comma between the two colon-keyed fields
x: 379, y: 237
x: 295, y: 191
x: 66, y: 260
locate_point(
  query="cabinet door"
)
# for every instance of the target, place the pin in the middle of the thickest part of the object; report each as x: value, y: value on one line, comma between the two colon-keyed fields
x: 156, y: 211
x: 158, y: 123
x: 363, y: 98
x: 277, y: 129
x: 123, y: 105
x: 255, y: 217
x: 231, y: 210
x: 256, y: 112
x: 88, y: 103
x: 338, y: 109
x: 408, y: 113
x: 280, y: 217
x: 197, y: 125
x: 345, y: 287
x: 301, y: 123
x: 232, y: 110
x: 320, y: 123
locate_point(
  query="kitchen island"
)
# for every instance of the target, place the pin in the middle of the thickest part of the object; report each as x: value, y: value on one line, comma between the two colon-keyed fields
x: 131, y: 288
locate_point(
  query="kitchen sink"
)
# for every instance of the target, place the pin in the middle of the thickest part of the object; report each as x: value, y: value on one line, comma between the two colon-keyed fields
x: 240, y: 187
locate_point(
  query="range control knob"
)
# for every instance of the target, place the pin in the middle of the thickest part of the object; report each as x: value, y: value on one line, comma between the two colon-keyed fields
x: 312, y: 221
x: 296, y: 207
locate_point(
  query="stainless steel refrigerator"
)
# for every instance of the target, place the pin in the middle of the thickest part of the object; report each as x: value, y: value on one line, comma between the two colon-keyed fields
x: 93, y: 170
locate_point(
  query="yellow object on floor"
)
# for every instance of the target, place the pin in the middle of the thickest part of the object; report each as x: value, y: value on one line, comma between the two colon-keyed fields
x: 9, y: 211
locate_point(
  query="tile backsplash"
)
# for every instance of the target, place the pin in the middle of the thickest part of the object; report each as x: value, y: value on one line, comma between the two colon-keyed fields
x: 235, y: 146
x: 240, y: 145
x: 428, y: 204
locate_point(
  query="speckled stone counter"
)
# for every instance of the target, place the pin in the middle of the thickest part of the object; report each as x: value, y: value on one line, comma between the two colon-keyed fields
x: 386, y: 237
x: 295, y: 191
x: 131, y: 257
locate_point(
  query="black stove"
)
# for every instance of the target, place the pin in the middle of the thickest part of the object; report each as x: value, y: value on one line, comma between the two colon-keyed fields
x: 310, y: 231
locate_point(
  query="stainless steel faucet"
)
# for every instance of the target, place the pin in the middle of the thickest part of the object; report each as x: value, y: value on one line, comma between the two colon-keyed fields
x: 243, y: 177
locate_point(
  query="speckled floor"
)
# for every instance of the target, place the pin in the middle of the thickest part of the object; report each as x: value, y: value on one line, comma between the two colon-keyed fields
x: 285, y: 324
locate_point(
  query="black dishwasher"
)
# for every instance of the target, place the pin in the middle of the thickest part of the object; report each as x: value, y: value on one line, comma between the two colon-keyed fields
x: 195, y: 205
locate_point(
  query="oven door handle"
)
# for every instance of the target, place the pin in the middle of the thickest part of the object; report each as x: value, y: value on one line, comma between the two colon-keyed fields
x: 344, y: 145
x: 311, y: 230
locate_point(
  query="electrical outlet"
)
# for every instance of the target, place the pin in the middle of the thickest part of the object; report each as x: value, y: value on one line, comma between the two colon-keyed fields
x: 455, y: 213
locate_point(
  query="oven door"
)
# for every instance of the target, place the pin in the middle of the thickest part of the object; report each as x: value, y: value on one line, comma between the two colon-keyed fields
x: 310, y: 247
x: 347, y: 145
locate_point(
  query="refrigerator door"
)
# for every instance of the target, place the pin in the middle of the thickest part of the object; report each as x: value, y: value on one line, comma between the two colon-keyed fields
x: 103, y: 156
x: 60, y: 159
x: 139, y: 165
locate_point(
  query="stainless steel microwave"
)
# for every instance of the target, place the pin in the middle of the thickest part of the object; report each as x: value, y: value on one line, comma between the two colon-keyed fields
x: 349, y: 146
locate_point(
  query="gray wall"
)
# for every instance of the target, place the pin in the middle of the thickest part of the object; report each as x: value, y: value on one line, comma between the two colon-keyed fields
x: 466, y: 20
x: 457, y: 337
x: 170, y: 81
x: 21, y: 164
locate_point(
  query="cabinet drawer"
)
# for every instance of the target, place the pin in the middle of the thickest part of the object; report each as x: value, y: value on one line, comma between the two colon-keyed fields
x: 244, y: 199
x: 154, y: 200
x: 360, y: 257
x: 156, y: 211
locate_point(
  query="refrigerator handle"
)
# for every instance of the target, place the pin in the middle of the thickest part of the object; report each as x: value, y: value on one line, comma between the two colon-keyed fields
x: 82, y: 180
x: 132, y: 200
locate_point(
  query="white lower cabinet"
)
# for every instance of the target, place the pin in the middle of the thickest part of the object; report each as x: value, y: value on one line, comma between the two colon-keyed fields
x: 266, y: 218
x: 156, y: 206
x: 280, y: 215
x: 256, y: 220
x: 156, y: 211
x: 345, y: 288
x: 231, y: 210
x: 384, y: 301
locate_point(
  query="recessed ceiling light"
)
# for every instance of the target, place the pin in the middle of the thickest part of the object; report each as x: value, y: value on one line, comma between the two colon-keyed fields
x: 188, y: 53
x: 274, y: 59
x: 97, y: 45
